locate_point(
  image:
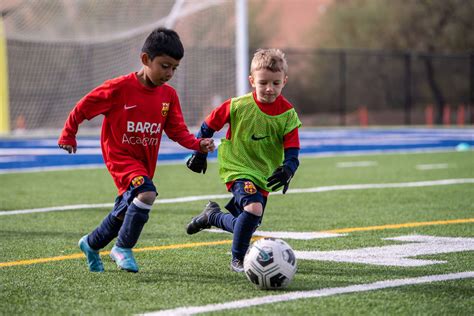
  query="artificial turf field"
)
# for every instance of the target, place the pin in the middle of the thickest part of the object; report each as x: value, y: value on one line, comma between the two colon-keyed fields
x: 43, y: 272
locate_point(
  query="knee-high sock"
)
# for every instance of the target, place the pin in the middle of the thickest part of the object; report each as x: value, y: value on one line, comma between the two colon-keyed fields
x: 223, y: 221
x: 105, y: 232
x: 133, y: 222
x: 244, y: 227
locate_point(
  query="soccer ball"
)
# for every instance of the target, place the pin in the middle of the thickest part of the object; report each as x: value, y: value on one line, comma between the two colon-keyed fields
x: 270, y: 264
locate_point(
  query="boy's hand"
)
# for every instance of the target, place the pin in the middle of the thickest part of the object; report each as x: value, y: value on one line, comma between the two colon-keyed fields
x: 281, y: 177
x: 70, y: 149
x: 207, y: 145
x: 197, y: 162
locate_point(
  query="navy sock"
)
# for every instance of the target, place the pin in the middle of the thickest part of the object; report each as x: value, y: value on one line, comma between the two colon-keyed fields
x: 223, y: 221
x: 244, y: 228
x: 135, y: 218
x: 104, y: 233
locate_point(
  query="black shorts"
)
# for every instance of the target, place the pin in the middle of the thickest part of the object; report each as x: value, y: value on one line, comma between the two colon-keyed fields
x: 244, y: 192
x: 139, y: 184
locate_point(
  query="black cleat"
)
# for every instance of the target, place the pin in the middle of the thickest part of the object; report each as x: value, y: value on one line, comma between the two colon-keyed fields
x: 237, y: 265
x: 201, y: 221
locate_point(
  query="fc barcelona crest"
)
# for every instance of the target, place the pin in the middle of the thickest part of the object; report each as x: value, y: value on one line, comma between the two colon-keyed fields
x: 137, y: 181
x: 249, y: 187
x: 165, y: 108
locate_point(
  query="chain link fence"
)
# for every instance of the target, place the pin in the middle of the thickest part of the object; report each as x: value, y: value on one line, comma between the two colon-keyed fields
x: 365, y: 87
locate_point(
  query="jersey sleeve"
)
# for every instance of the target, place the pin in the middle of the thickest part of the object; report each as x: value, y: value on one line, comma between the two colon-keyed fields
x: 176, y: 128
x: 96, y: 102
x: 219, y: 116
x: 291, y: 139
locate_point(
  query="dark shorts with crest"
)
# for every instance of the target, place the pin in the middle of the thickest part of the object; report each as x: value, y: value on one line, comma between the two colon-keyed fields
x: 244, y: 192
x: 138, y: 185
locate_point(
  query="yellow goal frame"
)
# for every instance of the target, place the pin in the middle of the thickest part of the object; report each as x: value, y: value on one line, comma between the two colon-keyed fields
x: 4, y: 105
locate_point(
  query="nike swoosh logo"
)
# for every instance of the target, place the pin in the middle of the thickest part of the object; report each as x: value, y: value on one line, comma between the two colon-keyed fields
x: 128, y: 107
x: 258, y: 138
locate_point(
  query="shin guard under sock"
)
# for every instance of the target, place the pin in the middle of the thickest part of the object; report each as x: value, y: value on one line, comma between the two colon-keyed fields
x: 104, y: 233
x: 223, y: 221
x: 244, y: 228
x: 135, y: 218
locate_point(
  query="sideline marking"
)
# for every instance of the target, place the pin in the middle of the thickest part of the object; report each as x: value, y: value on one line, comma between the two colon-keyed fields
x: 221, y: 242
x: 404, y: 225
x: 104, y: 253
x: 224, y: 196
x: 269, y: 299
x: 284, y: 235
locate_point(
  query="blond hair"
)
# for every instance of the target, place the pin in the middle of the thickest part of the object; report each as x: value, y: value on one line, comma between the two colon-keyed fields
x: 272, y: 59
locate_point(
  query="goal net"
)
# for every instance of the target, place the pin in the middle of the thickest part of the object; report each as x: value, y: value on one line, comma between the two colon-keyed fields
x: 59, y: 50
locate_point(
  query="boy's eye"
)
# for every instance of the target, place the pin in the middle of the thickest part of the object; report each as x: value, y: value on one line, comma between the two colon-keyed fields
x: 166, y: 66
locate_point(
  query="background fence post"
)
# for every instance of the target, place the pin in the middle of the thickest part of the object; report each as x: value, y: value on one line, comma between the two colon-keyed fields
x: 342, y: 88
x: 408, y: 92
x: 470, y: 107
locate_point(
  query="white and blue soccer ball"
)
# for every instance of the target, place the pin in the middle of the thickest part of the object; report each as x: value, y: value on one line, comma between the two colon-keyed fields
x: 270, y: 264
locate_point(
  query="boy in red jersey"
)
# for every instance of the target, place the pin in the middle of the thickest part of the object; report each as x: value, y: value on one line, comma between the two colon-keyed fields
x: 137, y: 107
x: 259, y: 153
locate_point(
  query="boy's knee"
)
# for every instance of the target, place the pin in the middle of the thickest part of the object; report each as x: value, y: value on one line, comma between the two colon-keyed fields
x: 147, y: 197
x: 254, y: 208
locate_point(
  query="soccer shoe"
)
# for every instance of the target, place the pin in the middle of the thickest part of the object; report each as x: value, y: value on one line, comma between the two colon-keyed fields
x: 237, y: 265
x: 201, y: 221
x: 93, y: 258
x: 124, y: 258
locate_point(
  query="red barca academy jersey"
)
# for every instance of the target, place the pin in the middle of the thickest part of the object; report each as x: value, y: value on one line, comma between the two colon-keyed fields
x: 134, y: 118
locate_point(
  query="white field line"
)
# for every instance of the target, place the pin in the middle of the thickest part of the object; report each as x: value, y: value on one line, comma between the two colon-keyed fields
x: 225, y: 196
x: 350, y: 164
x: 269, y: 299
x: 432, y: 166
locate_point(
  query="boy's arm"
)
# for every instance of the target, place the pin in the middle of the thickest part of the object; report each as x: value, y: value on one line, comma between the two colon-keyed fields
x: 217, y: 119
x: 98, y: 101
x: 198, y: 160
x: 177, y: 130
x: 282, y: 175
x: 67, y: 139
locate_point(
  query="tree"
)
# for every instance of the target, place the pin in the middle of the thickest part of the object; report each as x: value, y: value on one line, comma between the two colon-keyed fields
x: 422, y: 26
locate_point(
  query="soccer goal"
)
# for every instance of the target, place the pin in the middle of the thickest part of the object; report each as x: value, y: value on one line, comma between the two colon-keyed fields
x: 59, y: 50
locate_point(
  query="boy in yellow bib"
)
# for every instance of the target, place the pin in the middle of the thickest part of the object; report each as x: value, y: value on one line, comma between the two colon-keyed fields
x: 258, y: 155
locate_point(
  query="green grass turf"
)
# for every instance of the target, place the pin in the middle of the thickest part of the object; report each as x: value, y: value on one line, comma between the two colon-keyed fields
x: 196, y: 276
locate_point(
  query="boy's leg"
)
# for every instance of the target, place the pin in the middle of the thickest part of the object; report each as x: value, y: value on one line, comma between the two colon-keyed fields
x: 102, y: 236
x: 110, y: 226
x: 252, y: 202
x: 93, y: 257
x: 226, y: 221
x: 203, y: 220
x: 142, y: 195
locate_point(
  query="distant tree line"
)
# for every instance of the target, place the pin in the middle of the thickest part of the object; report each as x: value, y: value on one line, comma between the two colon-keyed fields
x: 422, y: 26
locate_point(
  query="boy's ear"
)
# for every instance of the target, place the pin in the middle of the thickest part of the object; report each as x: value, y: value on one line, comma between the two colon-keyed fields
x: 252, y: 82
x: 145, y: 58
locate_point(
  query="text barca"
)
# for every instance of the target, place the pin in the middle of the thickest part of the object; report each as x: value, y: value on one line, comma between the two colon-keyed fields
x: 142, y: 127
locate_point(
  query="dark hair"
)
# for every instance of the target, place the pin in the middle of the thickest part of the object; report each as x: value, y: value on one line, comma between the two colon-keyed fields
x: 163, y: 41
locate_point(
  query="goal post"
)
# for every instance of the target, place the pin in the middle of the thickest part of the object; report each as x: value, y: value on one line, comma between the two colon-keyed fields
x: 4, y: 102
x: 59, y: 50
x: 242, y: 46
